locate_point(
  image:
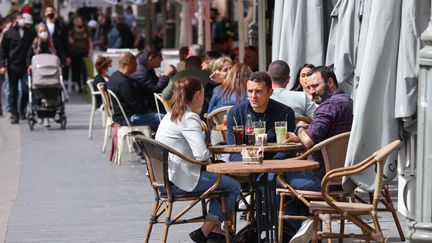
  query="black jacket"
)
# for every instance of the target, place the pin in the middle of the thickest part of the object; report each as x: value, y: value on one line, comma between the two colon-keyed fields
x: 131, y: 100
x: 14, y: 49
x: 60, y: 39
x: 148, y: 82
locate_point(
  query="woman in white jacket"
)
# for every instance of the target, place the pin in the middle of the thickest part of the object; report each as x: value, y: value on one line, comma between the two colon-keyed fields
x: 181, y: 129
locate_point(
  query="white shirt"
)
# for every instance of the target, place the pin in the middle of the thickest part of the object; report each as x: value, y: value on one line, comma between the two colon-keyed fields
x: 297, y: 100
x: 187, y: 137
x: 50, y: 27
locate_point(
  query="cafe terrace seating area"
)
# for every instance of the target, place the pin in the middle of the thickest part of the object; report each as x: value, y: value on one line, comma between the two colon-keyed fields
x: 335, y: 213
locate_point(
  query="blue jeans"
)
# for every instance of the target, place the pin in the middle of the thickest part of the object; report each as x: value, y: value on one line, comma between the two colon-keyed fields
x: 207, y: 180
x: 150, y: 119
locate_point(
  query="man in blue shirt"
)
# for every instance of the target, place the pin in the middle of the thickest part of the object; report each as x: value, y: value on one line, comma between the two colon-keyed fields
x: 261, y: 108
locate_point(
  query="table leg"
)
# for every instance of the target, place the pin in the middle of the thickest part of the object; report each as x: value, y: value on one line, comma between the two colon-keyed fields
x: 265, y: 210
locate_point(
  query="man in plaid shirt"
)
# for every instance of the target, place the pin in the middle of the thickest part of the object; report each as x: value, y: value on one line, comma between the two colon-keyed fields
x: 333, y: 116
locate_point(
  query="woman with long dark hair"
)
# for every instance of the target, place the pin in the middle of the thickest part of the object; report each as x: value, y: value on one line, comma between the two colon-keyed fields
x: 301, y: 77
x: 181, y: 128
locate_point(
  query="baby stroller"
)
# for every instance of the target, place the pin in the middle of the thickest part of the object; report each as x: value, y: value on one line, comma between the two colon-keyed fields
x: 47, y: 94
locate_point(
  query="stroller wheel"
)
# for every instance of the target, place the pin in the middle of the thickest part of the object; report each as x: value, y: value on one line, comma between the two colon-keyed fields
x: 63, y: 123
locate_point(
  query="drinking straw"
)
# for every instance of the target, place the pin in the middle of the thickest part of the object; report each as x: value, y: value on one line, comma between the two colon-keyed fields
x: 235, y: 121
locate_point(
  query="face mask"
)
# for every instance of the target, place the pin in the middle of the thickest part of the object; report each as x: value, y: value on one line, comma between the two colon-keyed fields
x: 43, y: 35
x: 20, y: 22
x: 50, y: 16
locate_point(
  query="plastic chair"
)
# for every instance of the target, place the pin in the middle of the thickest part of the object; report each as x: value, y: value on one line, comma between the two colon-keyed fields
x: 125, y: 131
x: 107, y: 108
x: 156, y: 155
x: 353, y: 210
x: 334, y: 152
x: 94, y: 93
x: 158, y: 99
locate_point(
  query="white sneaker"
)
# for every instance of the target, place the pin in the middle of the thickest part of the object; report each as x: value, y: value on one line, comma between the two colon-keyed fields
x: 242, y: 205
x: 304, y: 234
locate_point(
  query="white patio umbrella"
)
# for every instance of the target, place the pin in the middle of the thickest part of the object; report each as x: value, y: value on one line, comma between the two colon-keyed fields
x: 298, y: 33
x: 343, y: 41
x: 374, y: 124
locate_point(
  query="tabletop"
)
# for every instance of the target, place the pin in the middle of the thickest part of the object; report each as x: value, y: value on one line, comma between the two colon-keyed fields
x: 270, y: 147
x: 268, y: 166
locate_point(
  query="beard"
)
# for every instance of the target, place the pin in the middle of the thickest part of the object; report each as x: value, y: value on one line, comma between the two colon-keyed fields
x: 319, y: 98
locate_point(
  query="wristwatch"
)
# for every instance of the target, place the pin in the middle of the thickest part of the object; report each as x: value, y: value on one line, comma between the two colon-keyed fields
x: 297, y: 129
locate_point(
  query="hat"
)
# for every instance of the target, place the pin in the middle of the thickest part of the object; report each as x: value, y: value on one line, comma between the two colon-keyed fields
x: 92, y: 24
x: 27, y: 18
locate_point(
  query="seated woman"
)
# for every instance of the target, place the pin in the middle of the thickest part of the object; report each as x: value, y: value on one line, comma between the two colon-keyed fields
x: 102, y: 65
x: 301, y: 77
x: 220, y: 69
x: 233, y: 89
x: 181, y: 128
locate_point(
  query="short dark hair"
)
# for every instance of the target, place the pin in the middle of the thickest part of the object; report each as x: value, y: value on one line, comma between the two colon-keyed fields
x: 193, y: 62
x: 259, y: 77
x: 148, y: 51
x: 213, y: 54
x: 325, y: 72
x: 279, y: 71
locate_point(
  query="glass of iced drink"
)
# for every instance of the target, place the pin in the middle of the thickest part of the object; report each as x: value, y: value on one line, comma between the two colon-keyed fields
x: 259, y: 128
x: 238, y: 134
x: 281, y: 131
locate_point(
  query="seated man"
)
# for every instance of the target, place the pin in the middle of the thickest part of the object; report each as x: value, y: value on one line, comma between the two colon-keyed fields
x: 192, y: 69
x: 261, y: 108
x: 145, y: 78
x: 333, y: 116
x: 134, y: 103
x: 279, y: 72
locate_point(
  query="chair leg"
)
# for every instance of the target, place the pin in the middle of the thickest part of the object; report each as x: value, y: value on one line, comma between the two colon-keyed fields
x: 119, y: 150
x: 106, y: 133
x: 280, y: 219
x: 226, y: 221
x: 389, y: 205
x: 153, y: 217
x: 167, y: 222
x: 342, y: 229
x: 93, y: 104
x: 378, y: 235
x: 103, y: 117
x: 315, y: 223
x: 129, y: 143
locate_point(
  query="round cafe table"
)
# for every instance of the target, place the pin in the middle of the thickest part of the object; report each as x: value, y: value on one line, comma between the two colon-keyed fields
x: 264, y: 189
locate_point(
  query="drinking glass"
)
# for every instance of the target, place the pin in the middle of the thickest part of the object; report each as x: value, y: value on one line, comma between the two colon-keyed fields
x: 238, y: 134
x: 259, y: 128
x: 281, y: 131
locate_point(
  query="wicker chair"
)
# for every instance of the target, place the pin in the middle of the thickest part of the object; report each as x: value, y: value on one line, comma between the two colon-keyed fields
x: 156, y: 155
x: 353, y: 210
x: 334, y: 152
x: 214, y: 118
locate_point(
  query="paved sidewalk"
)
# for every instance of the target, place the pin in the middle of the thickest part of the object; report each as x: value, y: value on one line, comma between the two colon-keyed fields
x: 68, y: 191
